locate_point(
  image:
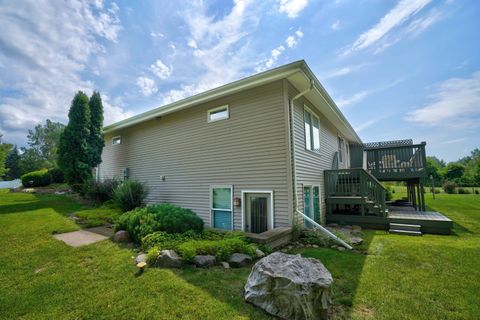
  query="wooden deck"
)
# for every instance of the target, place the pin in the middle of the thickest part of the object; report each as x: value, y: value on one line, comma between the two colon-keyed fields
x: 430, y: 221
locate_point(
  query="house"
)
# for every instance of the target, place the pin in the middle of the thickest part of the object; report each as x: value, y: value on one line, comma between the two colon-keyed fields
x: 260, y: 154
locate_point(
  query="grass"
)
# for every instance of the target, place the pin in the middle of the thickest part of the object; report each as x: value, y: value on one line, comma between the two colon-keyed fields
x: 93, y: 217
x: 401, y: 277
x: 43, y: 278
x: 390, y: 277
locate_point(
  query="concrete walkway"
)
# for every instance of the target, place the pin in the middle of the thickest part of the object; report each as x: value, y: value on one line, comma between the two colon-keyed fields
x: 84, y: 237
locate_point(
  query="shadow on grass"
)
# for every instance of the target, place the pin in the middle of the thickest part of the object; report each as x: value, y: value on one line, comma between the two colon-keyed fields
x: 346, y: 268
x: 18, y: 202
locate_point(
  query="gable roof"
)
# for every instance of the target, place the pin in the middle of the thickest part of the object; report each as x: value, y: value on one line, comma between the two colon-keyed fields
x: 299, y: 75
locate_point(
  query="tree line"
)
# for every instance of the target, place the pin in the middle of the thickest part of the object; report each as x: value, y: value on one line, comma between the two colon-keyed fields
x: 75, y: 148
x: 463, y: 172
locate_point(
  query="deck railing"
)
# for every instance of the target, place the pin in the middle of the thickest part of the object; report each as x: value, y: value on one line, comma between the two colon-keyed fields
x: 355, y: 182
x: 397, y: 162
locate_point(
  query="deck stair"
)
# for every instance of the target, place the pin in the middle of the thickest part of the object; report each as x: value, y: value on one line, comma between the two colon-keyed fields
x: 355, y: 190
x: 406, y: 229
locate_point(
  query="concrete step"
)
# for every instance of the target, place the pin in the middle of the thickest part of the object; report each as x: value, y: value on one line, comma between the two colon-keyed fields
x: 405, y: 232
x: 404, y: 226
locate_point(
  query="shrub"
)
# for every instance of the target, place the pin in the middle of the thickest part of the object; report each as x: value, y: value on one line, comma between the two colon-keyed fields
x: 57, y: 175
x: 101, y: 191
x: 165, y: 217
x: 476, y: 191
x: 388, y: 194
x: 165, y: 241
x: 221, y: 249
x: 38, y: 178
x: 449, y: 187
x: 130, y: 194
x: 463, y: 191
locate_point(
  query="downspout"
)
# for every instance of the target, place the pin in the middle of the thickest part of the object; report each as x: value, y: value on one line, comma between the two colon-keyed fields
x: 294, y: 172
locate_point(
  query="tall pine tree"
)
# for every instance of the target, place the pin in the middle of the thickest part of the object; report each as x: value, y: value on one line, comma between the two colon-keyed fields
x: 95, y: 141
x: 73, y: 150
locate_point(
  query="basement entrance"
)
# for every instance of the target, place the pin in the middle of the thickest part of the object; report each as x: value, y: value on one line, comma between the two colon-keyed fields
x: 258, y: 216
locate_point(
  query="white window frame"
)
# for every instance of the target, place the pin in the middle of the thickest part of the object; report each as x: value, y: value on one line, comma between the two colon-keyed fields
x: 272, y: 211
x: 114, y: 138
x: 210, y: 111
x: 312, y: 114
x: 211, y: 209
x: 311, y: 186
x: 341, y: 148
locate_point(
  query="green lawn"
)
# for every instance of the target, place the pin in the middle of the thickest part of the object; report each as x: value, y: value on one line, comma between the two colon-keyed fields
x: 392, y: 277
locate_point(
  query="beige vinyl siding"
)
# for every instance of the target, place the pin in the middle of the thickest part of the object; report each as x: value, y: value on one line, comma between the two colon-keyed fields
x: 248, y: 151
x: 310, y: 165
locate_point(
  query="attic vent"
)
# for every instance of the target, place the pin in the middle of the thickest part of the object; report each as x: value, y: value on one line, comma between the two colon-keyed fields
x: 218, y: 113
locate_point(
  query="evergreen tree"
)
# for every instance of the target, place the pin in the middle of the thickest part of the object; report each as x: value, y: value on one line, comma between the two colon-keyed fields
x: 4, y: 150
x: 12, y: 163
x: 73, y: 149
x: 96, y: 142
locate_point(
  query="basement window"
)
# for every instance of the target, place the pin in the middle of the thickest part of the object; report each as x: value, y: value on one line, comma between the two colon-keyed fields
x: 218, y: 113
x: 116, y: 140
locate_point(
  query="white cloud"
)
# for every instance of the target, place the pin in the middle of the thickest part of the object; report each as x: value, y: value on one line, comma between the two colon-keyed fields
x: 455, y: 102
x: 157, y: 34
x: 291, y: 41
x: 345, y: 102
x: 161, y: 70
x: 343, y: 71
x: 299, y: 33
x: 217, y: 42
x: 365, y: 125
x: 292, y: 7
x: 45, y: 49
x: 404, y: 10
x: 147, y: 86
x: 419, y: 25
x: 335, y: 25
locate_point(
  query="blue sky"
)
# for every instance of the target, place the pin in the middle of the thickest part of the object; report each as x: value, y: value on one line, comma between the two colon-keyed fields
x: 397, y: 69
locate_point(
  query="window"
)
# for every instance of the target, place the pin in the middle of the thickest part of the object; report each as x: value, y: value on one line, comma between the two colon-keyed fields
x: 341, y: 144
x: 311, y: 203
x: 116, y: 140
x: 221, y: 209
x: 312, y: 131
x: 218, y: 113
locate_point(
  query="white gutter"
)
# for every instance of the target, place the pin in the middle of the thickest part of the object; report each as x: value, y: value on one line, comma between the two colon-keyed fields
x: 294, y: 173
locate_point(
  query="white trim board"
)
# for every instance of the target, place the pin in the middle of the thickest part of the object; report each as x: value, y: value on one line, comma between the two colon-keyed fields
x: 272, y: 209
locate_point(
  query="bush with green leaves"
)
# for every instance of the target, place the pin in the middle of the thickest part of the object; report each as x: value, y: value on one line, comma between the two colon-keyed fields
x: 388, y: 193
x: 221, y: 249
x: 130, y: 194
x: 57, y: 175
x: 101, y: 191
x: 463, y: 191
x: 164, y: 217
x: 449, y: 187
x: 165, y: 241
x: 39, y: 178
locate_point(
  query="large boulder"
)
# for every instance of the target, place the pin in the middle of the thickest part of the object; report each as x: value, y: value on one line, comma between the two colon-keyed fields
x: 121, y: 236
x: 238, y: 260
x: 290, y: 286
x: 204, y: 261
x: 169, y: 259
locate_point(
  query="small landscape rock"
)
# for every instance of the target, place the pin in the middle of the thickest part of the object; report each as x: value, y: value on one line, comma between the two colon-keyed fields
x: 225, y: 265
x: 204, y: 261
x: 238, y: 260
x: 259, y: 253
x: 356, y: 228
x: 169, y: 259
x: 334, y: 246
x: 332, y: 225
x: 121, y: 236
x: 315, y: 246
x: 341, y: 249
x: 356, y: 240
x: 141, y: 258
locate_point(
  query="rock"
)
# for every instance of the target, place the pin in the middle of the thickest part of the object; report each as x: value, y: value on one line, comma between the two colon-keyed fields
x: 169, y: 259
x: 332, y: 225
x: 357, y: 228
x: 341, y: 248
x: 225, y: 265
x: 141, y: 258
x: 356, y: 240
x: 259, y: 253
x: 334, y: 246
x: 121, y: 236
x: 315, y: 246
x: 290, y: 286
x: 204, y: 261
x: 238, y: 260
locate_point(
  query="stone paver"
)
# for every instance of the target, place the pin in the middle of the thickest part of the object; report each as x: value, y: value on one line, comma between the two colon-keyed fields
x: 80, y: 238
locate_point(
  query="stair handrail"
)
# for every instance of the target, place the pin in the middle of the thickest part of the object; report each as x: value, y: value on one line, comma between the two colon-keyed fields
x: 380, y: 196
x: 325, y: 230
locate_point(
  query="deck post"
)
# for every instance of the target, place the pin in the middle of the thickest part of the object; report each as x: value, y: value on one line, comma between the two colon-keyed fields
x: 422, y: 195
